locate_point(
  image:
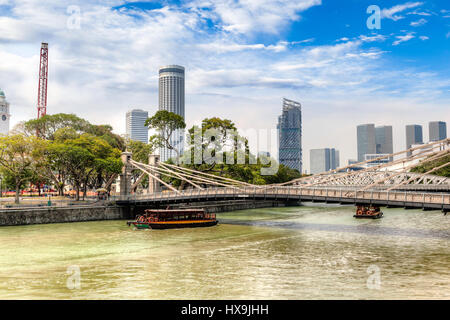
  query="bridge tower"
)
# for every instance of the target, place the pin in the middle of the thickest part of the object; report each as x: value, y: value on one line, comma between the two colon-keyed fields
x: 153, y: 184
x: 125, y: 176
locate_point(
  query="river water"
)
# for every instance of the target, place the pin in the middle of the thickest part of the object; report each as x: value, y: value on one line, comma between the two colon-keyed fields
x: 309, y: 252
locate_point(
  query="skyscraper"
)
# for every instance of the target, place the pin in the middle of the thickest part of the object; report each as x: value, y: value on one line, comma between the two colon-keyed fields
x: 171, y: 98
x: 322, y: 160
x: 437, y: 130
x: 383, y: 140
x: 135, y: 125
x: 413, y: 135
x: 290, y: 135
x: 366, y: 140
x: 4, y: 114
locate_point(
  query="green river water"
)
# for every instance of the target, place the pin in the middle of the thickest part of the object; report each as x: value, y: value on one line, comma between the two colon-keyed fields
x: 309, y: 252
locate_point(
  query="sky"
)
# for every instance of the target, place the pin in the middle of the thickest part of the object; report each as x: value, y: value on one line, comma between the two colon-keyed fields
x: 241, y: 58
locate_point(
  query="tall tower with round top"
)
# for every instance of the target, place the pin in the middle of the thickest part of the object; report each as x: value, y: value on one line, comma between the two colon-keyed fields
x: 171, y: 98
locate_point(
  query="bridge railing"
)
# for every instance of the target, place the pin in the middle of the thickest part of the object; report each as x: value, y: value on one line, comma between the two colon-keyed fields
x: 293, y: 192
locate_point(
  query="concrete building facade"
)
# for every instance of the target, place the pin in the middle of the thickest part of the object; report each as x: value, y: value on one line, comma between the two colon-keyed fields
x: 365, y: 140
x: 437, y: 130
x: 322, y: 160
x: 383, y: 141
x: 413, y: 136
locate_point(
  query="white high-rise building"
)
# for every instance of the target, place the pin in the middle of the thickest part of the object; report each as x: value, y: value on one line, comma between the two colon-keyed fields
x: 135, y: 126
x: 4, y: 114
x: 171, y: 98
x: 322, y: 160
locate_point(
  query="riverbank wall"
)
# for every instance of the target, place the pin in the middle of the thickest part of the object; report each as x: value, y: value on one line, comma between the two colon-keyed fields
x: 28, y: 216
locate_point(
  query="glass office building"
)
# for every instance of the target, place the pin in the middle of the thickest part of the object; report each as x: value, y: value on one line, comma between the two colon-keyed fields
x: 322, y: 160
x: 290, y: 135
x: 413, y: 136
x: 437, y: 130
x: 135, y: 125
x: 365, y: 140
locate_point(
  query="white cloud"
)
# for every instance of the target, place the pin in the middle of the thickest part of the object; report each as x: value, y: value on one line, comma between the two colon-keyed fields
x: 421, y: 13
x: 110, y: 65
x: 423, y: 38
x: 251, y: 16
x: 403, y: 38
x: 418, y: 23
x: 224, y: 46
x: 391, y: 12
x: 372, y: 38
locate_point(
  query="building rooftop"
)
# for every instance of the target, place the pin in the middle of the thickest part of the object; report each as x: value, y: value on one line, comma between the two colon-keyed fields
x: 2, y: 94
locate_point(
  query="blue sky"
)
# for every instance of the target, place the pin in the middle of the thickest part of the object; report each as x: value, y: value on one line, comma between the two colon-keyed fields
x: 241, y: 58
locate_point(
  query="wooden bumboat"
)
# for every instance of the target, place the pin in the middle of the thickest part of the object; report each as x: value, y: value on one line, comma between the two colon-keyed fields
x: 174, y: 218
x: 364, y: 212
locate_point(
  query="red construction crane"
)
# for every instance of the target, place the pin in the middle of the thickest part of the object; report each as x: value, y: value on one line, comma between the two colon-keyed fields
x: 43, y: 76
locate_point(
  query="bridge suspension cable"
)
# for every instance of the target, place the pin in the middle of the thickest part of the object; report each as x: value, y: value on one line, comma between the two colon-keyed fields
x: 366, y: 178
x: 435, y: 157
x: 334, y: 175
x: 420, y: 177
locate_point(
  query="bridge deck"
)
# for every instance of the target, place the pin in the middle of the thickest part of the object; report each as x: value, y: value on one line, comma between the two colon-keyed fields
x: 432, y: 201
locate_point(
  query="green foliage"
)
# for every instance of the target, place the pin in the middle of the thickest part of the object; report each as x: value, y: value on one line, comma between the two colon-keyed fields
x: 64, y: 126
x: 427, y: 166
x: 220, y: 139
x: 105, y: 132
x: 166, y: 123
x: 211, y: 142
x: 20, y: 159
x: 140, y: 151
x: 49, y: 124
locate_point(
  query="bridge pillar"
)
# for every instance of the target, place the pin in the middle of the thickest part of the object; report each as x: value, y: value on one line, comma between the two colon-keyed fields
x: 153, y: 184
x: 125, y: 176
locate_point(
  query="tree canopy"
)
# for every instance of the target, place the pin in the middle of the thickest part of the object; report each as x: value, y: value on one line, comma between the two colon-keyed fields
x: 166, y: 123
x: 20, y: 159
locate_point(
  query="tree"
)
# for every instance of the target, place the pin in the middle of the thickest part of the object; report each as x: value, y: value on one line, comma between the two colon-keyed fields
x: 19, y: 159
x: 166, y: 123
x: 100, y: 159
x: 47, y: 125
x: 104, y: 131
x: 427, y: 166
x: 84, y: 159
x: 140, y: 150
x: 219, y: 140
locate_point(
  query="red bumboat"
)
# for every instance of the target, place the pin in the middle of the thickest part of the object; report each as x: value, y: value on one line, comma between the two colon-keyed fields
x: 371, y: 212
x: 174, y: 218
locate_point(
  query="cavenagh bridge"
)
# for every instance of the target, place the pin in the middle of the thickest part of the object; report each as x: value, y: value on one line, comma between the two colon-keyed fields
x: 374, y: 182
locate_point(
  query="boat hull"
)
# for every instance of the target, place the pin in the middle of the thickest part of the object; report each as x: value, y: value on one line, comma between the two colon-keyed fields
x: 173, y: 224
x: 368, y: 216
